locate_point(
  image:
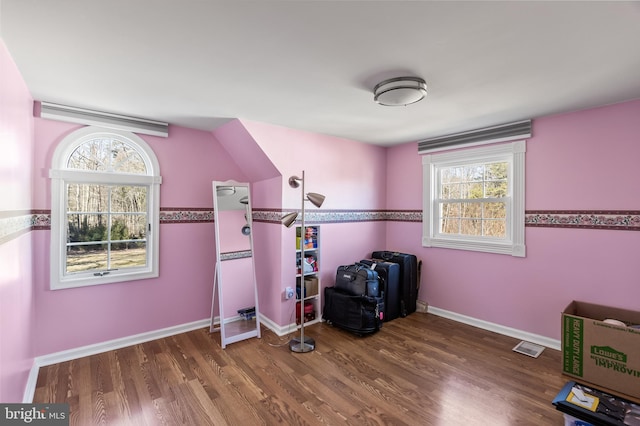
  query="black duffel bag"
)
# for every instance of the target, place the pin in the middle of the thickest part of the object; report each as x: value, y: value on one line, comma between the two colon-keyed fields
x: 357, y: 280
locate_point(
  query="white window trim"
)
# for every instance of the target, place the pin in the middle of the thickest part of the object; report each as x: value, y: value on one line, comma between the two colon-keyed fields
x: 60, y: 176
x: 514, y: 244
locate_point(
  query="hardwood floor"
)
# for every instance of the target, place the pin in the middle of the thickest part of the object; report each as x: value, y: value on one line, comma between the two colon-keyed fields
x: 418, y: 370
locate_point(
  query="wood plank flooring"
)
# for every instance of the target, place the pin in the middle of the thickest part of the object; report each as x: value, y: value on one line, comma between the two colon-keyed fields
x: 418, y: 370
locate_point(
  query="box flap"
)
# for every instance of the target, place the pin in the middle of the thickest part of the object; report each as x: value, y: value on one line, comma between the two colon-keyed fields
x: 600, y: 312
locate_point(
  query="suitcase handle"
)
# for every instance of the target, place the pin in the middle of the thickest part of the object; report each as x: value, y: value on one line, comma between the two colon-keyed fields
x: 387, y: 256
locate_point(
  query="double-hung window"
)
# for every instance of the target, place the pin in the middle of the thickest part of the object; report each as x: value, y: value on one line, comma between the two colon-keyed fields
x: 474, y: 199
x: 105, y: 205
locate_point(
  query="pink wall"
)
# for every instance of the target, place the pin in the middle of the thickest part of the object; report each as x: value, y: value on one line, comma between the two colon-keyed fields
x: 189, y: 161
x: 267, y: 244
x: 350, y: 174
x: 577, y: 161
x: 16, y: 169
x: 241, y: 146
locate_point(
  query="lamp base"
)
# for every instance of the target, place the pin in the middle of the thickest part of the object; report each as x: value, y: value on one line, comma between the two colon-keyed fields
x: 308, y: 345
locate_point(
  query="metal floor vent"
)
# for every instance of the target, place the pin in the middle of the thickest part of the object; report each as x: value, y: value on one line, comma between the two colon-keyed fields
x: 528, y: 348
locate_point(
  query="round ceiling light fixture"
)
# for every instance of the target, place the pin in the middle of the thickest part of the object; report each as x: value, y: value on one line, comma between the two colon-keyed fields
x: 400, y: 91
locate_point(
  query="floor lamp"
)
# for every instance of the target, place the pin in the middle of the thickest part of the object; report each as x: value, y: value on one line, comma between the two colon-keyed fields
x: 301, y: 344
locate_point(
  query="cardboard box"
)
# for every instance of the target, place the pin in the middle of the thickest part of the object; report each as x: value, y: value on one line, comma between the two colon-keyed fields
x: 599, y: 352
x: 310, y: 286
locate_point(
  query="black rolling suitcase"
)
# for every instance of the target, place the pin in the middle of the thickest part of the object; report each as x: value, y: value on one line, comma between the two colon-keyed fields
x: 389, y: 274
x: 409, y: 277
x: 360, y: 315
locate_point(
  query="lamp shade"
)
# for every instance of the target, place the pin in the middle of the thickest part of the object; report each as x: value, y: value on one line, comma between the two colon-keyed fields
x: 289, y: 219
x: 400, y: 91
x: 294, y: 181
x: 316, y: 199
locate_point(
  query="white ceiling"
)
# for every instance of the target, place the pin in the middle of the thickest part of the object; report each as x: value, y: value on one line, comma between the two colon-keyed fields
x: 312, y: 65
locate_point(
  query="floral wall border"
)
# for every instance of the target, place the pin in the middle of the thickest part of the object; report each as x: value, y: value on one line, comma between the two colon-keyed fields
x: 186, y: 215
x: 339, y: 216
x: 232, y: 255
x: 14, y: 223
x: 625, y: 220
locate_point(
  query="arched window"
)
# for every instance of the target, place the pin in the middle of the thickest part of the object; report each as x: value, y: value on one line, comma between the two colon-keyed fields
x: 105, y: 196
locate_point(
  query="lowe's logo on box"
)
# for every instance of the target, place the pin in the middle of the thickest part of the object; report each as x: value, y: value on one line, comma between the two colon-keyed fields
x: 34, y: 414
x: 607, y: 357
x: 609, y: 352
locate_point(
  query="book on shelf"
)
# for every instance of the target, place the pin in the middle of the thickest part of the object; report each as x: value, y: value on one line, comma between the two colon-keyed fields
x: 310, y: 238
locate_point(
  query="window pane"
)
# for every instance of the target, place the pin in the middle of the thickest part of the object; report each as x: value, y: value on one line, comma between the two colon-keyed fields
x: 450, y: 226
x: 85, y: 258
x: 472, y: 190
x: 474, y: 182
x: 496, y: 189
x: 125, y: 159
x: 114, y: 218
x: 128, y: 226
x: 450, y: 175
x: 494, y: 210
x: 495, y: 228
x: 87, y: 198
x: 474, y: 173
x: 471, y: 227
x: 496, y: 171
x: 82, y: 228
x: 450, y: 210
x: 91, y: 155
x: 471, y: 210
x: 129, y: 199
x: 450, y: 191
x: 107, y: 155
x: 128, y: 255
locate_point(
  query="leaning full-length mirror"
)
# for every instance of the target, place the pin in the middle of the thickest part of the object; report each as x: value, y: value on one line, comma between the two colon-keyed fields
x: 235, y: 292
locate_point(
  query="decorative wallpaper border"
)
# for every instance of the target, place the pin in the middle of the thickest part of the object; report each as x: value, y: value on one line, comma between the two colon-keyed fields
x: 231, y: 255
x: 185, y: 215
x: 626, y: 220
x: 339, y: 216
x: 14, y: 223
x: 18, y: 222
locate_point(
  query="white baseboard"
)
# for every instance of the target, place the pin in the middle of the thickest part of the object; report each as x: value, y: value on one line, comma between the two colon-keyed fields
x: 30, y: 387
x: 123, y: 342
x: 497, y: 328
x: 97, y: 348
x: 279, y: 330
x: 110, y: 345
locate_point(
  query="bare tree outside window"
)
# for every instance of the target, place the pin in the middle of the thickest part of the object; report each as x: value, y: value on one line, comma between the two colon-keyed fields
x: 472, y: 200
x: 106, y: 223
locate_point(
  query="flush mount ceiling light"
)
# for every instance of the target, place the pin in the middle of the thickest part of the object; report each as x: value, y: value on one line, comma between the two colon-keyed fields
x: 225, y: 190
x: 400, y: 91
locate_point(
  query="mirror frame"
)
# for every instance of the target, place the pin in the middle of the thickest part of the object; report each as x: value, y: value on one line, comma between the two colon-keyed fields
x: 232, y: 329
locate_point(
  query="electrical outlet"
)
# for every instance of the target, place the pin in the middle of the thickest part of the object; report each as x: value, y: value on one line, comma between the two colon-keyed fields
x: 288, y: 293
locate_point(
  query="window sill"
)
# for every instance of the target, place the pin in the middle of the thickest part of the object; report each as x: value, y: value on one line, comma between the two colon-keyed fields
x: 106, y: 279
x: 485, y: 247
